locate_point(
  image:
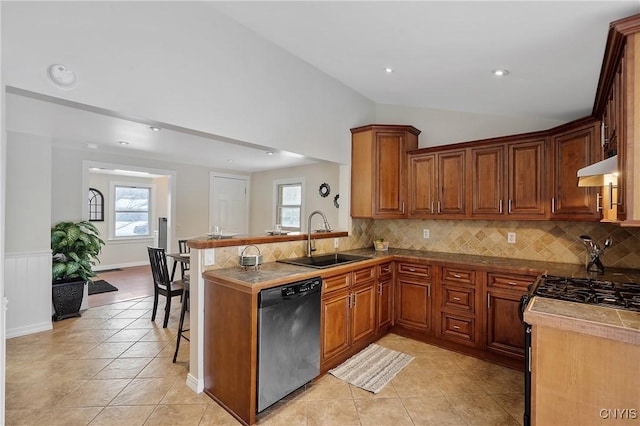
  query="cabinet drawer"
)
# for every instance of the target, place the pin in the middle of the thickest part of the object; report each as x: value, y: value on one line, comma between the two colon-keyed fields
x: 414, y: 269
x: 458, y: 327
x: 458, y: 298
x: 517, y: 282
x: 363, y: 275
x: 460, y: 276
x: 336, y: 282
x: 385, y: 269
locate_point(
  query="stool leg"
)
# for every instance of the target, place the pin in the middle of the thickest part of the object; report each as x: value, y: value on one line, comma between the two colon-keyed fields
x: 185, y: 298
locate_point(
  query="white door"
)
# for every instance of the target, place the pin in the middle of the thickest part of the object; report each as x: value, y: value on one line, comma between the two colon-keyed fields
x: 229, y: 203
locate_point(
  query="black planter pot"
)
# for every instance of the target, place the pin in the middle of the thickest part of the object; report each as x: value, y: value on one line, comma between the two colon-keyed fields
x: 67, y: 298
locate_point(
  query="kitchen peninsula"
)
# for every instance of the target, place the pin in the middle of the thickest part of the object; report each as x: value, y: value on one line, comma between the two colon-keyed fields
x: 230, y: 298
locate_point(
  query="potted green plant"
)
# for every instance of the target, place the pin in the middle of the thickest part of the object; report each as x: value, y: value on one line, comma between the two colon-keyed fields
x: 75, y: 247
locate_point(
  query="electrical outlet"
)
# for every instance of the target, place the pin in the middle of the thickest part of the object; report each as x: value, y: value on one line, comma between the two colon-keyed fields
x: 336, y: 243
x: 425, y: 233
x: 209, y: 257
x: 511, y: 237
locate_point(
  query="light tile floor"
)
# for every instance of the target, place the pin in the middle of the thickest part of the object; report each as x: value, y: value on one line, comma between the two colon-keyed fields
x: 113, y: 366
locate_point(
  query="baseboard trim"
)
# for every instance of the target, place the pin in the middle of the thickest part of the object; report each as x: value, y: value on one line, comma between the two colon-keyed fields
x: 193, y: 384
x: 119, y: 265
x: 30, y: 329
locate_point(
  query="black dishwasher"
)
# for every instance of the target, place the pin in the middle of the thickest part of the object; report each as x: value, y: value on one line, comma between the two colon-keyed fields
x: 288, y: 339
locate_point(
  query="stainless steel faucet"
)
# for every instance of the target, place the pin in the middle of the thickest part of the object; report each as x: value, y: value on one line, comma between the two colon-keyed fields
x: 327, y: 228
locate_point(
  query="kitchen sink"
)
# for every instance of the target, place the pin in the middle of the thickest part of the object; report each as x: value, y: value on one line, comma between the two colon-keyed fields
x: 324, y: 261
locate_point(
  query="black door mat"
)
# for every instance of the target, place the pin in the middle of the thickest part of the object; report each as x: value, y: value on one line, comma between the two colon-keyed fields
x: 100, y: 286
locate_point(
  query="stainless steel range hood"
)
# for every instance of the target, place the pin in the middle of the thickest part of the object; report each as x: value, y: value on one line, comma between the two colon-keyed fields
x: 593, y: 175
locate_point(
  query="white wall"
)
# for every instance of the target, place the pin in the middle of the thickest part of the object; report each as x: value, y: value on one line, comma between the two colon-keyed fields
x: 27, y: 239
x: 262, y: 210
x: 441, y: 127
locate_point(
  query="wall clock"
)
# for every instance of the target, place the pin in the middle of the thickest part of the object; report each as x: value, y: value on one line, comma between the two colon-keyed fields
x: 324, y: 190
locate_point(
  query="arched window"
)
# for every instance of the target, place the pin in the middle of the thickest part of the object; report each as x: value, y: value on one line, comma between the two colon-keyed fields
x: 96, y: 205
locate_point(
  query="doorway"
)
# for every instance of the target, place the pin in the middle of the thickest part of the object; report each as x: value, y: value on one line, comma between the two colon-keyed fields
x: 229, y: 203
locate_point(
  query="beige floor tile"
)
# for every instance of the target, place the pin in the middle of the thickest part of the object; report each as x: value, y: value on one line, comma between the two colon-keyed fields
x: 94, y: 393
x: 376, y: 412
x: 454, y: 383
x: 388, y: 391
x: 160, y: 335
x: 162, y: 367
x: 432, y: 410
x: 180, y: 393
x: 215, y: 415
x: 66, y: 416
x: 145, y: 323
x: 117, y: 323
x: 128, y: 335
x: 512, y: 404
x: 499, y: 380
x: 144, y: 391
x: 144, y: 349
x: 480, y: 410
x: 131, y: 313
x: 416, y: 384
x: 122, y: 415
x: 123, y: 368
x: 332, y: 412
x: 325, y: 388
x: 176, y: 415
x: 438, y: 362
x: 289, y: 413
x: 107, y: 350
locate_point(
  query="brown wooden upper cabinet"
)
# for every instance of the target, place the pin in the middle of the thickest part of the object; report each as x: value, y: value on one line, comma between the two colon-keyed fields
x: 525, y: 179
x: 571, y: 150
x: 378, y: 170
x: 488, y: 189
x: 437, y: 184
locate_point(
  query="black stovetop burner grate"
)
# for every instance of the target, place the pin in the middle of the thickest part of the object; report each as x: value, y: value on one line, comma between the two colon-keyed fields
x: 591, y: 291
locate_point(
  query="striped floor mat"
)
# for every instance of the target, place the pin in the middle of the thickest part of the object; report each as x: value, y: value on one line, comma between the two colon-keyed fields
x: 372, y: 368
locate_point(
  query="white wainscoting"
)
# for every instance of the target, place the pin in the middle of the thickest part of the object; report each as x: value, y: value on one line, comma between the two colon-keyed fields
x: 28, y: 292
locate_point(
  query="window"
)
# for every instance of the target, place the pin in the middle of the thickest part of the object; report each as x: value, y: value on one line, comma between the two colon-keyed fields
x: 289, y: 205
x: 132, y: 213
x: 96, y: 205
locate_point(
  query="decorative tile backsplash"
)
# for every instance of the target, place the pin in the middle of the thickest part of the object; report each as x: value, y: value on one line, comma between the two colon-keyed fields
x: 535, y: 240
x: 556, y: 241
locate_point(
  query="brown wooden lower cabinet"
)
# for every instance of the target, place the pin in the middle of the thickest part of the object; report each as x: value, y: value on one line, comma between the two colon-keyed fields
x: 348, y: 316
x: 384, y: 309
x: 504, y: 332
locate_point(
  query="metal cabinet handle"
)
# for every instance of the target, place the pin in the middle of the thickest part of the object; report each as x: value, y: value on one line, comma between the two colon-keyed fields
x: 432, y: 207
x: 509, y: 206
x: 403, y: 207
x: 456, y: 275
x: 439, y: 207
x: 512, y: 283
x: 355, y: 297
x: 488, y: 300
x: 429, y: 290
x: 380, y: 289
x: 598, y: 198
x: 457, y: 299
x: 500, y: 207
x: 553, y: 204
x: 412, y: 269
x: 457, y: 327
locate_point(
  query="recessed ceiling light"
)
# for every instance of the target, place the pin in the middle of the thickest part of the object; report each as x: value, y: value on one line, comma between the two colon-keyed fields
x: 388, y: 70
x: 269, y: 153
x: 123, y: 142
x: 155, y: 129
x: 61, y: 76
x: 229, y: 161
x: 500, y: 72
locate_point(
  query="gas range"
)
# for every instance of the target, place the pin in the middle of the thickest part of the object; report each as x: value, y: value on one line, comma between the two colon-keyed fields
x: 590, y: 290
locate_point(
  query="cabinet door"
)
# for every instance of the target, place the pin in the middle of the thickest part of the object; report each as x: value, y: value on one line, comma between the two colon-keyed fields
x: 452, y: 183
x: 422, y: 185
x: 505, y: 333
x: 487, y: 188
x: 363, y: 305
x: 335, y: 324
x: 571, y: 151
x: 413, y: 304
x: 384, y: 311
x: 526, y: 179
x: 389, y: 196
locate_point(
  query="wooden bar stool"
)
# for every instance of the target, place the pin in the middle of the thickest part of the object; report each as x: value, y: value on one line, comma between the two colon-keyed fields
x: 183, y: 309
